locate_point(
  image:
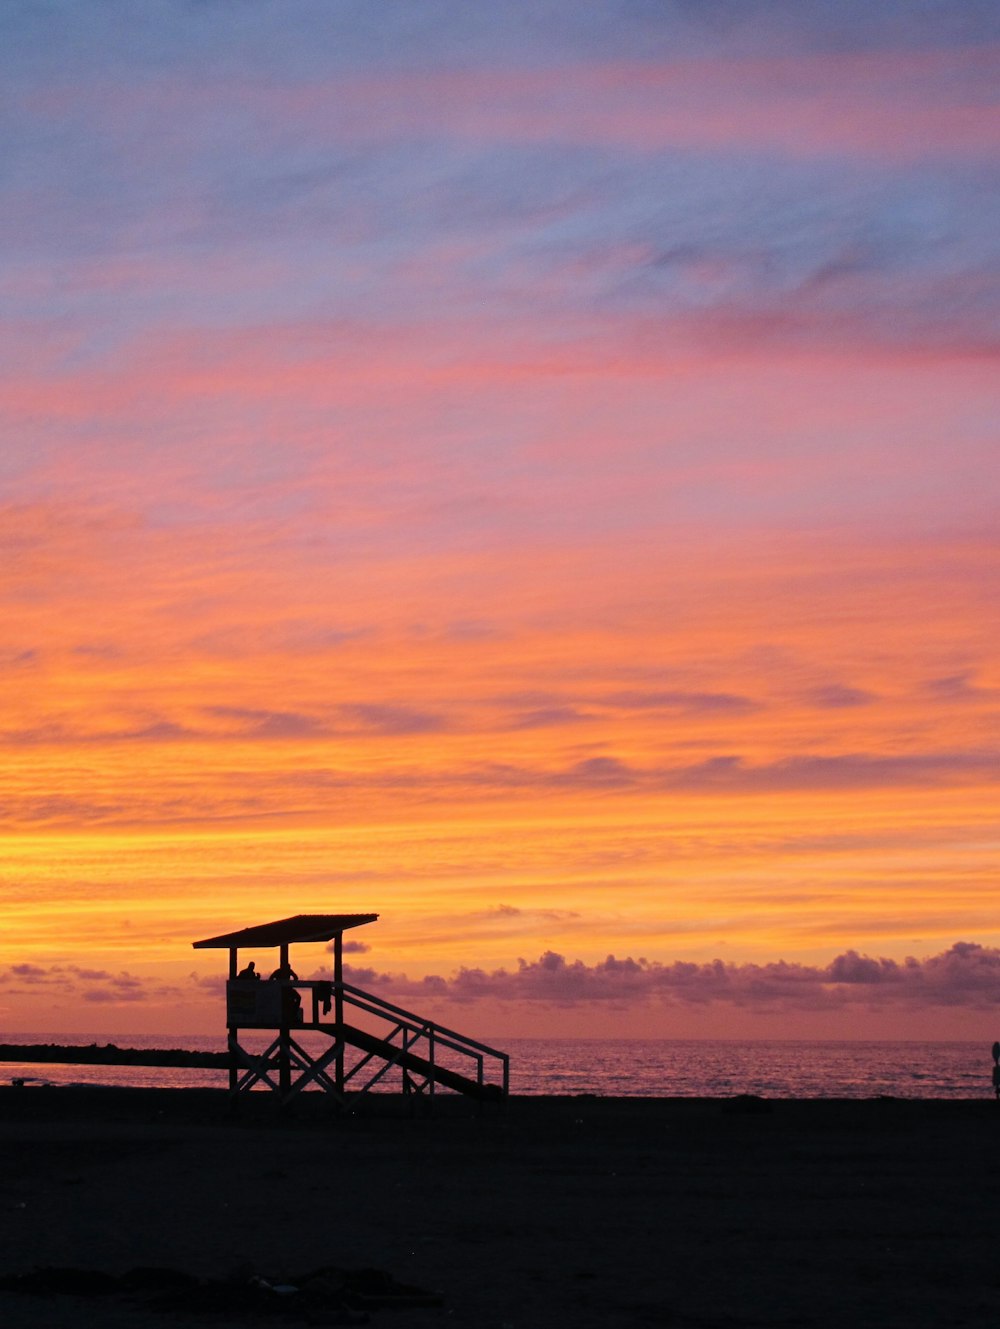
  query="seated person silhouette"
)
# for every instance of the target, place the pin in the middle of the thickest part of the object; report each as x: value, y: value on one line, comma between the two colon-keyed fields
x: 249, y: 972
x: 291, y: 1002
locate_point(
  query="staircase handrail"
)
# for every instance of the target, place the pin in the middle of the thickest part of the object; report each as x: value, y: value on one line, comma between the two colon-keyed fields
x: 379, y: 1004
x: 463, y: 1041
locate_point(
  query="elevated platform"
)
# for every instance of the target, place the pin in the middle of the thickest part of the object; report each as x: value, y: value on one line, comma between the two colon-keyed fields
x: 371, y: 1040
x: 332, y: 1036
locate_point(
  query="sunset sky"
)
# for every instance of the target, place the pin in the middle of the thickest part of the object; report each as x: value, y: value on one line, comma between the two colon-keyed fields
x: 526, y: 469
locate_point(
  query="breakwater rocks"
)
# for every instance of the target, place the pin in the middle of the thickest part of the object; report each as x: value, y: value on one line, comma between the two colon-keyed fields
x: 109, y: 1054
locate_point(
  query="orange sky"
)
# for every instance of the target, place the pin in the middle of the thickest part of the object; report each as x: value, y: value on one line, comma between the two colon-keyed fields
x: 487, y: 489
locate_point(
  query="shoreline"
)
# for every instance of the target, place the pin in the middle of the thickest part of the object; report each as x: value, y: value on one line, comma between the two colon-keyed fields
x: 213, y: 1107
x: 74, y: 1100
x: 63, y: 1111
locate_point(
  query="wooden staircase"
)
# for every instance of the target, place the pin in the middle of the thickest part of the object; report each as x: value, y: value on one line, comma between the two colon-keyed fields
x: 414, y: 1066
x: 427, y: 1056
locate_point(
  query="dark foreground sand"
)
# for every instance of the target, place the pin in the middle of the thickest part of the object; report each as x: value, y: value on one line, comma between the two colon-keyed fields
x: 575, y: 1211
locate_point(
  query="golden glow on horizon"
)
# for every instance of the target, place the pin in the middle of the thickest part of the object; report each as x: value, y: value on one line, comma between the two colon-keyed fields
x: 666, y: 875
x: 711, y: 790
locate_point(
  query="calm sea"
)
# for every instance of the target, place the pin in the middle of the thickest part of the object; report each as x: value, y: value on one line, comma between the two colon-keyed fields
x: 641, y: 1068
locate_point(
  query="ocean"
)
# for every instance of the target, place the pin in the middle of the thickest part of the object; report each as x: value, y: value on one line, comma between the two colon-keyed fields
x: 655, y: 1068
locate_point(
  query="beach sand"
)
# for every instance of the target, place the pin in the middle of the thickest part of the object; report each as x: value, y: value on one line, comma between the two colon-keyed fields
x: 577, y: 1211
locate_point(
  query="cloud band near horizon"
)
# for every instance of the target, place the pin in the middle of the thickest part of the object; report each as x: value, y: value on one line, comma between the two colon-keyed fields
x: 965, y: 975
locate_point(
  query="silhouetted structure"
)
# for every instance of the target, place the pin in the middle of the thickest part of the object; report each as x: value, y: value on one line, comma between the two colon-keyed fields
x: 380, y: 1037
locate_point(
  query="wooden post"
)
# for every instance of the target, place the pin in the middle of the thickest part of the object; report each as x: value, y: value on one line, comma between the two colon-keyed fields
x: 233, y: 1038
x: 284, y: 1050
x: 338, y: 1008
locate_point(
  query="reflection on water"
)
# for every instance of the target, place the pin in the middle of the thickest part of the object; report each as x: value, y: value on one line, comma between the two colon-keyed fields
x: 643, y: 1068
x: 774, y: 1069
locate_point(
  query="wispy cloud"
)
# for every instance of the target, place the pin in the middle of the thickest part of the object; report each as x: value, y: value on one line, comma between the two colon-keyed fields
x: 959, y: 688
x: 838, y: 696
x: 678, y: 700
x: 965, y: 975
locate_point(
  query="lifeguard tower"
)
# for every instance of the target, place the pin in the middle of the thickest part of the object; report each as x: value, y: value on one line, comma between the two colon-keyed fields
x: 332, y: 1036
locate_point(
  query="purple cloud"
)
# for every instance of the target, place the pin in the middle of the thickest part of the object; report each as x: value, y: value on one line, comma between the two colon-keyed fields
x: 245, y: 724
x: 730, y: 772
x: 967, y: 974
x: 379, y: 718
x: 852, y: 770
x: 549, y: 717
x: 510, y: 911
x: 269, y: 724
x: 959, y: 688
x: 836, y: 696
x: 351, y: 947
x: 90, y: 985
x: 597, y: 772
x: 696, y: 703
x: 28, y: 973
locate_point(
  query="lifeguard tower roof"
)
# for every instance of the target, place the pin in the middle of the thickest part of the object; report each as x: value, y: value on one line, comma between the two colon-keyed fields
x: 285, y: 931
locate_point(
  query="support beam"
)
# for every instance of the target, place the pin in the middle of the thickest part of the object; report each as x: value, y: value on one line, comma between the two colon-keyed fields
x: 284, y: 1043
x: 233, y: 1040
x: 338, y: 1009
